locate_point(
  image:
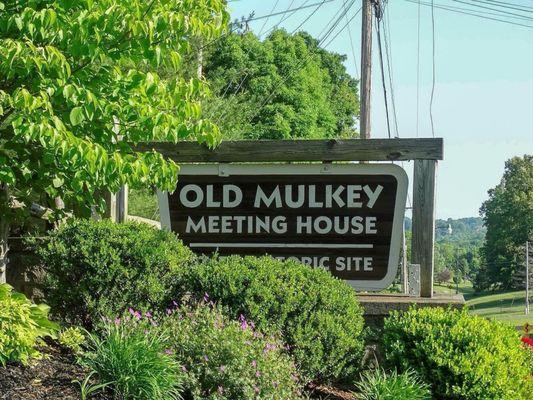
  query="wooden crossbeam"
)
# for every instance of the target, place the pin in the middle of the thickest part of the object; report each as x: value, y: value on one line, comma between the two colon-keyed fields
x: 301, y: 150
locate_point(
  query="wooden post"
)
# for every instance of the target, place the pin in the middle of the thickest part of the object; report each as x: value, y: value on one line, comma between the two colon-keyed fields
x: 424, y: 222
x: 122, y: 204
x: 366, y: 69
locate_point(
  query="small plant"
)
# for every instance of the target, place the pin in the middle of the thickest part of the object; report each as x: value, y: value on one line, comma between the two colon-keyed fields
x: 72, y: 338
x: 378, y: 385
x: 462, y: 356
x: 133, y: 362
x: 97, y: 268
x: 88, y: 389
x: 228, y: 360
x: 22, y: 325
x: 317, y: 315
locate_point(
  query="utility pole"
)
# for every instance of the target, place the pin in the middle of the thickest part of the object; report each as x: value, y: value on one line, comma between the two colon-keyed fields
x: 366, y: 67
x: 527, y: 277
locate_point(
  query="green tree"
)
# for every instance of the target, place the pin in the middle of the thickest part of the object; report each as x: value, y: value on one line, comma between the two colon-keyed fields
x: 508, y: 216
x: 79, y: 83
x: 284, y: 87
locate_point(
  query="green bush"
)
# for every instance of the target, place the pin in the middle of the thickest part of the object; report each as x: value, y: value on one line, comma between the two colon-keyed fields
x: 227, y: 360
x: 134, y: 363
x: 318, y: 315
x: 101, y: 268
x: 22, y: 325
x: 378, y: 385
x: 461, y: 355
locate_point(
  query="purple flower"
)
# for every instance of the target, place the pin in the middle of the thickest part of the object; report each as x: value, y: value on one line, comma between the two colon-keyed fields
x: 254, y: 363
x: 222, y: 368
x: 244, y: 323
x: 117, y: 321
x: 168, y: 352
x: 220, y: 390
x: 148, y: 314
x: 206, y: 358
x: 184, y: 368
x: 206, y: 297
x: 256, y: 389
x: 257, y: 374
x: 169, y: 311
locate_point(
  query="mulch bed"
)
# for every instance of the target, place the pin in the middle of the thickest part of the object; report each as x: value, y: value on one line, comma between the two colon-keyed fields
x: 49, y: 378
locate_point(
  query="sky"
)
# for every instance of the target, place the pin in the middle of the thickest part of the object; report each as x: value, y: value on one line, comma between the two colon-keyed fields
x: 483, y: 94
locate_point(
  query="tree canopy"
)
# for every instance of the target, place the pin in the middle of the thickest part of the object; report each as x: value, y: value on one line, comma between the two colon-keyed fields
x: 284, y: 87
x: 79, y: 83
x: 508, y: 216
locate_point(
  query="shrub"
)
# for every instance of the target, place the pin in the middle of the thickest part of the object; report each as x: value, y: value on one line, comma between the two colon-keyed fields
x: 97, y: 268
x: 72, y: 338
x: 22, y: 325
x: 461, y: 355
x: 227, y: 359
x: 378, y: 385
x: 133, y: 363
x: 318, y: 315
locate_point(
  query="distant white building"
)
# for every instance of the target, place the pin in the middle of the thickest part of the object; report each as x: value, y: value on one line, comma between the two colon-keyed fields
x: 450, y: 230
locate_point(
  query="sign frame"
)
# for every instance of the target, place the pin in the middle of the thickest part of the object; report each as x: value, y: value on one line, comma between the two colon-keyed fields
x: 226, y: 170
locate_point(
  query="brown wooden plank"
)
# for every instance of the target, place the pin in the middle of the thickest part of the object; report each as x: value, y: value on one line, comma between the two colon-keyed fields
x: 301, y: 150
x: 424, y: 223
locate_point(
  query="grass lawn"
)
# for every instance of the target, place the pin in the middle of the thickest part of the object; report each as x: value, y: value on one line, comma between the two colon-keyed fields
x: 503, y: 306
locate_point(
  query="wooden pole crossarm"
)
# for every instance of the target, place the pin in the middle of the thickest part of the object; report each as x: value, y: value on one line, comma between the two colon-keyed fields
x: 300, y: 150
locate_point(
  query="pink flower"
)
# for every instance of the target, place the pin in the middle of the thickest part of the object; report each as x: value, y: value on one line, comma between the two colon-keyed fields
x: 168, y: 352
x: 148, y: 314
x: 254, y: 363
x: 184, y: 368
x: 244, y: 323
x: 257, y: 374
x: 256, y: 389
x: 117, y: 321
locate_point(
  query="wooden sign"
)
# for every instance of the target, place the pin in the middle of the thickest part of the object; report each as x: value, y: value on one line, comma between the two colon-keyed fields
x: 344, y: 218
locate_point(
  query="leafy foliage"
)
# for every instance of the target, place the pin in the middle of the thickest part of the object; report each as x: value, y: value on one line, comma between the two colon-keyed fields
x: 96, y: 268
x: 461, y: 355
x: 225, y: 359
x: 318, y: 315
x: 284, y: 87
x: 22, y: 325
x: 508, y: 216
x: 378, y: 385
x: 133, y: 363
x: 72, y: 338
x: 79, y: 82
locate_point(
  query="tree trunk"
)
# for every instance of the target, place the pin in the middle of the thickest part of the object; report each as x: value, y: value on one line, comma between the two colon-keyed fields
x: 4, y: 230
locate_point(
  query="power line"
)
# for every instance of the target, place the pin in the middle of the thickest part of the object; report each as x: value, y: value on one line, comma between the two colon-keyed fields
x: 268, y: 17
x: 353, y: 50
x: 510, y: 6
x: 388, y: 52
x: 418, y: 72
x: 286, y: 11
x: 378, y: 31
x: 433, y: 72
x: 466, y: 11
x: 505, y: 13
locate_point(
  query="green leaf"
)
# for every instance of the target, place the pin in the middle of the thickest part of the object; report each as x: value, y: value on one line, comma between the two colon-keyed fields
x: 58, y: 182
x: 76, y: 116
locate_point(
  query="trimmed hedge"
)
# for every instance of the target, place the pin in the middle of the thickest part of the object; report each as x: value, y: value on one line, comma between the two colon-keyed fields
x: 461, y: 355
x: 317, y: 314
x: 97, y: 268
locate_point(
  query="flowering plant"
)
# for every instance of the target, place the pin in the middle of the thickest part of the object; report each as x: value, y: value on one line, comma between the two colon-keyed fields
x: 225, y: 359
